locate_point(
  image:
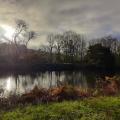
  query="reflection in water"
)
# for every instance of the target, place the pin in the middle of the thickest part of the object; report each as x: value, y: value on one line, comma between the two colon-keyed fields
x: 8, y: 84
x: 18, y: 84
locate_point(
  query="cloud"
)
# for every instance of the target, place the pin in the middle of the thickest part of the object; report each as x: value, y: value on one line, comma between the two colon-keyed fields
x: 93, y: 17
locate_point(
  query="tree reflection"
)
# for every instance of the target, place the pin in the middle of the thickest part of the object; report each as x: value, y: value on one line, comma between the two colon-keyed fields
x: 23, y: 83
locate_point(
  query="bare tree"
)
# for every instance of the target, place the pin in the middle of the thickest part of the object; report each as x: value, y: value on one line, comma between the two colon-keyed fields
x: 81, y: 47
x: 69, y: 45
x: 107, y: 41
x: 50, y: 45
x: 21, y: 36
x: 27, y: 37
x: 58, y: 46
x: 21, y: 27
x: 73, y: 45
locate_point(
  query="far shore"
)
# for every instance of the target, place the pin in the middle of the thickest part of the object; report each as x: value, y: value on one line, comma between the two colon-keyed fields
x: 54, y: 67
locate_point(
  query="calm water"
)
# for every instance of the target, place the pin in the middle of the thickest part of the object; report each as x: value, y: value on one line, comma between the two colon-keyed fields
x: 18, y: 83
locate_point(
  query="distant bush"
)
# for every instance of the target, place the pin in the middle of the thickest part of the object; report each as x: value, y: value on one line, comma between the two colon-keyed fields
x: 100, y: 56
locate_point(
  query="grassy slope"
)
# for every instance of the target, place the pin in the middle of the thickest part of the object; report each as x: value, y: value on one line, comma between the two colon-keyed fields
x: 102, y: 108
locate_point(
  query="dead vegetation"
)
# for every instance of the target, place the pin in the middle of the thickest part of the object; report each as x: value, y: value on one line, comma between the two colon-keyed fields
x: 108, y: 86
x: 40, y: 95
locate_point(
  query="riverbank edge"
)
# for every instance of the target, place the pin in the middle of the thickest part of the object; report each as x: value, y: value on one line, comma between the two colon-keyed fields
x: 98, y: 108
x: 53, y: 67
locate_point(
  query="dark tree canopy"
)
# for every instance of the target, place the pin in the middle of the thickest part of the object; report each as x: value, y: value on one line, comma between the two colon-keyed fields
x: 100, y: 56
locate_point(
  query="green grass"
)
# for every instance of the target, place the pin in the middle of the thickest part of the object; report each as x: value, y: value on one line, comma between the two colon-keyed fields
x: 102, y: 108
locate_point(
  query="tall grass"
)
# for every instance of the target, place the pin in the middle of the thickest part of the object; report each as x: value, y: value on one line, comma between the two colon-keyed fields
x: 101, y: 108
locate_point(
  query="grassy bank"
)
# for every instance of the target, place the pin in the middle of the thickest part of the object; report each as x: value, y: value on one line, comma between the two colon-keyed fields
x: 100, y: 108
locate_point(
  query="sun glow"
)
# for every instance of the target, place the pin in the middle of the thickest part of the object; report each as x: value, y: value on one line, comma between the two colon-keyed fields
x: 8, y: 31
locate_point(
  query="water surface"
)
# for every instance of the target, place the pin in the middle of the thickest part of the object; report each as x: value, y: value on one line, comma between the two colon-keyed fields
x: 21, y: 83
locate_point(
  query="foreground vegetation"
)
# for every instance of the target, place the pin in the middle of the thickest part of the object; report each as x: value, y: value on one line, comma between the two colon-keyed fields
x: 100, y: 108
x: 108, y: 86
x: 65, y: 103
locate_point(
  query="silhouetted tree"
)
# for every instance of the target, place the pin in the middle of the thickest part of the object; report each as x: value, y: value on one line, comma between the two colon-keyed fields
x: 100, y: 56
x: 81, y: 47
x: 110, y: 42
x: 107, y: 41
x: 73, y: 46
x: 58, y: 46
x: 50, y: 45
x: 70, y: 46
x: 27, y: 37
x: 22, y: 35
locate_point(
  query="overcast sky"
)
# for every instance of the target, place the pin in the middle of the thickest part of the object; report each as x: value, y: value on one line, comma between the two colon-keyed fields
x: 94, y: 18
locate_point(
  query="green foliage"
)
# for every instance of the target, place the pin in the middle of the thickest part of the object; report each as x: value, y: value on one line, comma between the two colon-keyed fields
x: 100, y: 56
x: 102, y: 108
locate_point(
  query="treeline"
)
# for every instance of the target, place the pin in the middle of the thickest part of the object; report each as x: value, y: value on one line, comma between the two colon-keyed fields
x: 71, y: 47
x: 68, y: 47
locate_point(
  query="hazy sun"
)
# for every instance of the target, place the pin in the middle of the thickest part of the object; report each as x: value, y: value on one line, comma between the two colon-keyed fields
x: 8, y: 31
